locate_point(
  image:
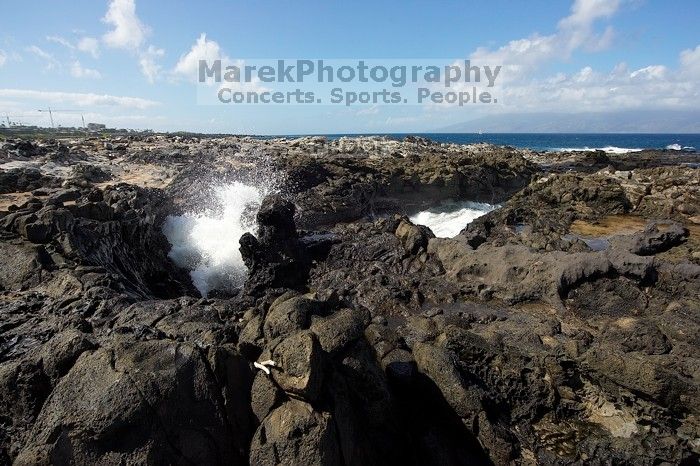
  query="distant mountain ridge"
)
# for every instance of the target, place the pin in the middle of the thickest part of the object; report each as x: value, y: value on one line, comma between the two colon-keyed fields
x: 641, y: 121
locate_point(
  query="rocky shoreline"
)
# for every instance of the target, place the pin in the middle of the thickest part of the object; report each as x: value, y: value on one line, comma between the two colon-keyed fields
x: 561, y: 328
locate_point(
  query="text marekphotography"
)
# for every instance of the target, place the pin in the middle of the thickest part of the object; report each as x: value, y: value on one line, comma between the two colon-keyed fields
x: 347, y: 82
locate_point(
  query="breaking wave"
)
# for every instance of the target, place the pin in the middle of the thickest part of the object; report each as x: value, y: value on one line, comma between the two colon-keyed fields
x: 206, y: 242
x: 608, y: 149
x: 448, y: 219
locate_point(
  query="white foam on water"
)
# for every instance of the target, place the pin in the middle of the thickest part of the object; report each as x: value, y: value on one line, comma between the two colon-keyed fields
x: 674, y: 147
x: 620, y: 150
x: 448, y: 219
x: 206, y: 242
x: 608, y: 149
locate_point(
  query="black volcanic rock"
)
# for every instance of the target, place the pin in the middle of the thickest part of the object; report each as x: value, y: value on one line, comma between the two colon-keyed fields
x: 561, y: 328
x: 25, y: 179
x: 276, y: 259
x: 157, y: 398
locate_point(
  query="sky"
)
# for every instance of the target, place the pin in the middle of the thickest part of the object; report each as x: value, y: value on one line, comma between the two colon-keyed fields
x: 132, y: 63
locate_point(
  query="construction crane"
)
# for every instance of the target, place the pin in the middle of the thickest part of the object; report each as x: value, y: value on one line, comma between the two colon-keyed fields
x: 50, y: 115
x: 15, y: 123
x: 51, y: 111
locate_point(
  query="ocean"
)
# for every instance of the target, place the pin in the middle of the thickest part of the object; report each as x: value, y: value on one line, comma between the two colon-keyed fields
x: 616, y: 143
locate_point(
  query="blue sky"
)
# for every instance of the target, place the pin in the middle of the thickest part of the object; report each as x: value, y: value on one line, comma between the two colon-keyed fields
x: 124, y: 62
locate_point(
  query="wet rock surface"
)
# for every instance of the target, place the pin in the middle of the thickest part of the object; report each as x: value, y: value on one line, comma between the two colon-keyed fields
x: 561, y: 328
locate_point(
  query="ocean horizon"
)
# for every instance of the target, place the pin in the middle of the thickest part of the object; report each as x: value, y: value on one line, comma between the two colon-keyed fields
x: 609, y: 142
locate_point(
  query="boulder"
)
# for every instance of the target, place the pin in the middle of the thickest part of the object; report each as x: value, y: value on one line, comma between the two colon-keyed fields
x: 289, y: 316
x: 413, y: 237
x: 295, y: 433
x: 657, y: 237
x: 276, y: 220
x: 36, y: 232
x: 155, y: 401
x: 60, y: 353
x: 339, y: 329
x: 265, y: 395
x: 299, y: 365
x: 250, y: 340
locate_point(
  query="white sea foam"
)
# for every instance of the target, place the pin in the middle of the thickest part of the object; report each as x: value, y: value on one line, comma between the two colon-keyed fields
x: 448, y: 219
x: 206, y: 242
x: 674, y: 147
x: 608, y: 149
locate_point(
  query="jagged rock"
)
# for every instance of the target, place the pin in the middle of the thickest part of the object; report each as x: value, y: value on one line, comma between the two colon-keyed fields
x: 93, y: 211
x: 276, y: 220
x: 275, y: 260
x: 36, y: 232
x: 556, y: 329
x: 64, y: 195
x: 413, y: 237
x: 418, y: 330
x: 90, y: 173
x: 25, y: 179
x: 20, y: 264
x: 655, y: 238
x: 23, y: 389
x: 634, y: 335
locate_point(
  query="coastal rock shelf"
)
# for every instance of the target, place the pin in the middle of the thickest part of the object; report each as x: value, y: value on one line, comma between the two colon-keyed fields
x: 562, y: 327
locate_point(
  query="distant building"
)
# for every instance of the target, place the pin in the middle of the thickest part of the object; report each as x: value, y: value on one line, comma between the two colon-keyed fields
x: 96, y: 127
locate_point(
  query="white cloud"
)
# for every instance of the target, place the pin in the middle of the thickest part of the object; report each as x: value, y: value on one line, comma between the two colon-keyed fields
x: 654, y: 86
x: 652, y: 72
x: 147, y: 60
x: 210, y: 50
x: 89, y: 45
x: 79, y: 99
x: 690, y: 62
x: 86, y: 44
x: 60, y: 40
x: 39, y: 52
x: 202, y: 49
x: 48, y: 60
x: 3, y: 57
x: 78, y: 71
x: 519, y: 89
x: 576, y: 30
x: 128, y: 31
x: 521, y: 56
